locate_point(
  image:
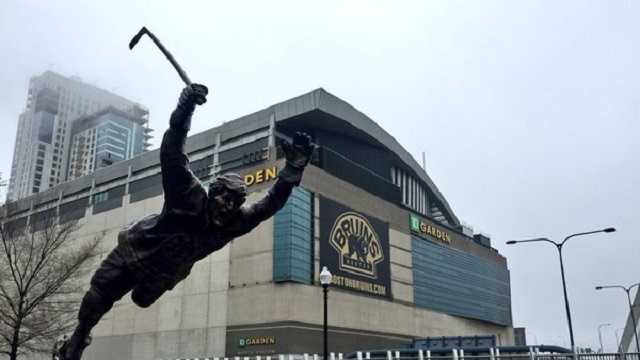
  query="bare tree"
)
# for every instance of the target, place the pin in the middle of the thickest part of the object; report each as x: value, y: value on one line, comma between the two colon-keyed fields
x: 42, y: 268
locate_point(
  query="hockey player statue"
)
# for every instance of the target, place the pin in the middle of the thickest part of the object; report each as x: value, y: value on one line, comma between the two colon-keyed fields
x: 157, y: 252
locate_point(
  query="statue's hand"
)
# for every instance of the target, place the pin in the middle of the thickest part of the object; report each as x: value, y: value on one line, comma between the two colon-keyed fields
x: 299, y: 152
x: 194, y: 94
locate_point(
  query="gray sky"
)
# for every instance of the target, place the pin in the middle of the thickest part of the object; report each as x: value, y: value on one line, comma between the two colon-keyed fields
x: 529, y: 112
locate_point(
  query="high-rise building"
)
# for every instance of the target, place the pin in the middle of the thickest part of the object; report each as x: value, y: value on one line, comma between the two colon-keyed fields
x: 43, y: 136
x: 105, y: 137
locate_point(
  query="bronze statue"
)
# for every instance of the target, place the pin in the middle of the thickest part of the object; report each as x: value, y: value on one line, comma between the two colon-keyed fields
x: 157, y: 252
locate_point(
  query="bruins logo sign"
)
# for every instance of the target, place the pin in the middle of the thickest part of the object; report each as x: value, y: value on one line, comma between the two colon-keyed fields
x: 357, y: 244
x: 355, y: 248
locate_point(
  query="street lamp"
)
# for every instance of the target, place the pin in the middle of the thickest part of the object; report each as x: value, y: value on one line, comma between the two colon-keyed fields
x: 325, y: 280
x: 600, y: 336
x: 631, y: 312
x: 564, y: 284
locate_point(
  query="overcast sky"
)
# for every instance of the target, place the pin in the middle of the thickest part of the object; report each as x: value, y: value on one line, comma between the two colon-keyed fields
x: 529, y: 112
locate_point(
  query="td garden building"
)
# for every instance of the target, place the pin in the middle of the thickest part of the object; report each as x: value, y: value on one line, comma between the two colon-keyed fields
x: 403, y: 267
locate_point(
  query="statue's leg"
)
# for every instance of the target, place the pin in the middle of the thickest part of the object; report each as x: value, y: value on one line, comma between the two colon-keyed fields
x: 144, y: 295
x: 109, y: 284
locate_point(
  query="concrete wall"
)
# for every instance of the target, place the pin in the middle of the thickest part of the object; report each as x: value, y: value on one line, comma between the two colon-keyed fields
x: 251, y: 256
x: 265, y: 304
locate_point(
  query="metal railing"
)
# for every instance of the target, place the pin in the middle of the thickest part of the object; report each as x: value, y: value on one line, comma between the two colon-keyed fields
x: 456, y: 354
x: 493, y: 354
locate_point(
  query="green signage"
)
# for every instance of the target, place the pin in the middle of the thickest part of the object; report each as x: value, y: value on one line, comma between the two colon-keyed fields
x: 422, y: 228
x: 256, y: 340
x: 415, y: 223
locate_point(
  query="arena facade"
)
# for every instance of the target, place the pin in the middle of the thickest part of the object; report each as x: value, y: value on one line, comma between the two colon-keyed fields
x: 402, y: 265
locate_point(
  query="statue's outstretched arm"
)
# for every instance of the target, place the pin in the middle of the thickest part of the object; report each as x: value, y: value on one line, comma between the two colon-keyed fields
x: 177, y: 178
x: 298, y: 155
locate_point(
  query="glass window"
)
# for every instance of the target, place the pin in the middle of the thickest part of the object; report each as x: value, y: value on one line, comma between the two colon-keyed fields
x: 45, y: 130
x: 293, y: 239
x: 100, y: 197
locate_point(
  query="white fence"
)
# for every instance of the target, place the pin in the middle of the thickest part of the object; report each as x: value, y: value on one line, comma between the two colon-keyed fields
x: 333, y: 356
x: 456, y: 354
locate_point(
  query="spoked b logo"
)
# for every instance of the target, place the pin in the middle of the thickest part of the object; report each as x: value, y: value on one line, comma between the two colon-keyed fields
x: 357, y: 243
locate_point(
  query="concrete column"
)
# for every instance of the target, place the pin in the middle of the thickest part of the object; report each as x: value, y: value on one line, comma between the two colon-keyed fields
x: 91, y: 190
x: 272, y: 129
x: 31, y: 207
x: 60, y: 196
x: 129, y: 173
x: 216, y: 156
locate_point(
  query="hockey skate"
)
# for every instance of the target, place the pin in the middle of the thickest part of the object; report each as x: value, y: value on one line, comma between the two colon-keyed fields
x: 67, y: 348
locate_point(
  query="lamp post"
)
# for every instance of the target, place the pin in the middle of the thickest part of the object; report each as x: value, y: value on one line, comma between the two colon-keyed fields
x: 631, y: 312
x: 600, y: 336
x: 564, y: 284
x: 325, y: 280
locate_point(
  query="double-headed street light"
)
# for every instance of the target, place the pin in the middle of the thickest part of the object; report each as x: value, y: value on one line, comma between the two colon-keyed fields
x: 600, y: 336
x: 325, y: 280
x: 631, y: 312
x: 564, y: 284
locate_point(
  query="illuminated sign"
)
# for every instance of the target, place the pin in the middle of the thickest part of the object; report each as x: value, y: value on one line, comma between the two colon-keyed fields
x: 256, y: 340
x: 260, y: 176
x: 422, y: 228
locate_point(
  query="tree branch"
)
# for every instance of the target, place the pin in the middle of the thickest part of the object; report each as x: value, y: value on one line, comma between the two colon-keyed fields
x: 40, y: 287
